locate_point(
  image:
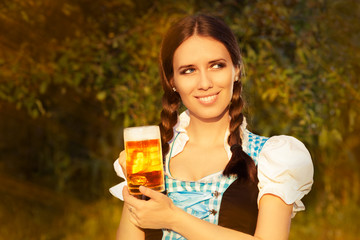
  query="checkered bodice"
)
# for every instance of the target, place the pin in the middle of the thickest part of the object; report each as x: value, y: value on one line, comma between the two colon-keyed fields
x: 202, y: 198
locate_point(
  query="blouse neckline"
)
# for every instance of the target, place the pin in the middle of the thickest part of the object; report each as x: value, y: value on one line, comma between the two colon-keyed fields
x: 177, y: 147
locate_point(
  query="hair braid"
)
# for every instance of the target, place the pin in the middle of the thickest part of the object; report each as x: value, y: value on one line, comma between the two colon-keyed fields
x: 169, y: 116
x: 240, y: 163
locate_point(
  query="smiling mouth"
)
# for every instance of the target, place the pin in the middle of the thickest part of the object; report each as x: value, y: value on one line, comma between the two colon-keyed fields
x: 208, y: 99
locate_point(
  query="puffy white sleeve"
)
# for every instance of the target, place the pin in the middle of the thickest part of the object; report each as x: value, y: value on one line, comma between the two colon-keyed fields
x: 116, y: 190
x: 285, y: 169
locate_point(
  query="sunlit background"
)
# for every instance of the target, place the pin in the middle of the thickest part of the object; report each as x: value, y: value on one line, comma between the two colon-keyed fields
x: 73, y: 73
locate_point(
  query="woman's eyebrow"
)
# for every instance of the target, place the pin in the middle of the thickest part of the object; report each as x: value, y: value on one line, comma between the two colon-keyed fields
x: 217, y: 60
x: 210, y: 62
x: 185, y: 66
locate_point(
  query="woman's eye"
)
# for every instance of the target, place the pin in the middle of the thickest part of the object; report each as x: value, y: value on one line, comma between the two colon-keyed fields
x: 187, y: 71
x: 218, y: 65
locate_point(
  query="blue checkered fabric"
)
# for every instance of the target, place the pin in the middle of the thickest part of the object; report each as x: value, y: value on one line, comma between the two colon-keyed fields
x: 202, y: 198
x: 254, y: 146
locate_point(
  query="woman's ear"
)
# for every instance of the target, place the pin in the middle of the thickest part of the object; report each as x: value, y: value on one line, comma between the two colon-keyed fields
x: 237, y: 73
x: 172, y: 84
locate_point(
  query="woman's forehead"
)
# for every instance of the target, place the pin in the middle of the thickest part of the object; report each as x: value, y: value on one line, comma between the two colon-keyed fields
x: 198, y: 48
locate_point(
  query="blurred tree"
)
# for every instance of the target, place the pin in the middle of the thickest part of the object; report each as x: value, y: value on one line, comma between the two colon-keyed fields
x: 74, y: 73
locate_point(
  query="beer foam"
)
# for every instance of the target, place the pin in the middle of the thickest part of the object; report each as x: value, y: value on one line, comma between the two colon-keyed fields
x: 141, y: 133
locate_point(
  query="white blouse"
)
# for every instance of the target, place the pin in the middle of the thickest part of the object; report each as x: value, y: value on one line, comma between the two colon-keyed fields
x: 285, y: 167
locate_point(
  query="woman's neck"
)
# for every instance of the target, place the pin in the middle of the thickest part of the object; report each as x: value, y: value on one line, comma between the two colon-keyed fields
x: 208, y: 132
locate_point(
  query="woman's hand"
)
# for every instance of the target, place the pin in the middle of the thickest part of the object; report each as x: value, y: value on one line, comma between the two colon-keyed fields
x: 122, y: 161
x: 156, y: 213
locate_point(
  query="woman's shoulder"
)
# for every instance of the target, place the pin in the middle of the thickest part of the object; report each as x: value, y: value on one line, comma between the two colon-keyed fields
x: 285, y: 150
x: 285, y: 169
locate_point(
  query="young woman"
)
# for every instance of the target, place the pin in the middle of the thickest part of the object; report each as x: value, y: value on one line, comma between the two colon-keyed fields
x: 222, y: 181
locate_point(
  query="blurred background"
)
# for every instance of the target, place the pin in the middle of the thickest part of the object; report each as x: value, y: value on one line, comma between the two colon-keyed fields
x: 74, y: 73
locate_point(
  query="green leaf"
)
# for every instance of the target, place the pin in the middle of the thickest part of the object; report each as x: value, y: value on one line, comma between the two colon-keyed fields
x: 101, y: 95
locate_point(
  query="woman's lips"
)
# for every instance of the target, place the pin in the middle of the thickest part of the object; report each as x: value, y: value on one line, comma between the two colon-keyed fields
x: 209, y: 99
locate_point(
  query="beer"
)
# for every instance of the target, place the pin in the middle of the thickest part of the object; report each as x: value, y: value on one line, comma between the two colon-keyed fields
x: 144, y: 165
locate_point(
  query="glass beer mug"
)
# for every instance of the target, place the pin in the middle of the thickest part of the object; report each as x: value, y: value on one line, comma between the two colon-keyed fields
x: 144, y: 165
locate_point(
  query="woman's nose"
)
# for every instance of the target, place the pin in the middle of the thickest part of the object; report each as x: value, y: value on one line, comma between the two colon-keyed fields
x: 205, y: 81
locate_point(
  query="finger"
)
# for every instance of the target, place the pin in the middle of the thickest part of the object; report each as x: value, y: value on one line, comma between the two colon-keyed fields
x: 150, y: 193
x: 129, y: 199
x: 122, y: 157
x: 126, y: 194
x: 122, y: 161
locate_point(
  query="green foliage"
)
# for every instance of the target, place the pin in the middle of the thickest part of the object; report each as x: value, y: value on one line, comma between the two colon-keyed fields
x: 74, y: 73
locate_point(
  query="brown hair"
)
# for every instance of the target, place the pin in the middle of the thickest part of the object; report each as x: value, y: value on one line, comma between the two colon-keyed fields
x: 207, y: 26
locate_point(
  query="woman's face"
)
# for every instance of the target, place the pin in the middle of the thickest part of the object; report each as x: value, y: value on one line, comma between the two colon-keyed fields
x: 203, y: 76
